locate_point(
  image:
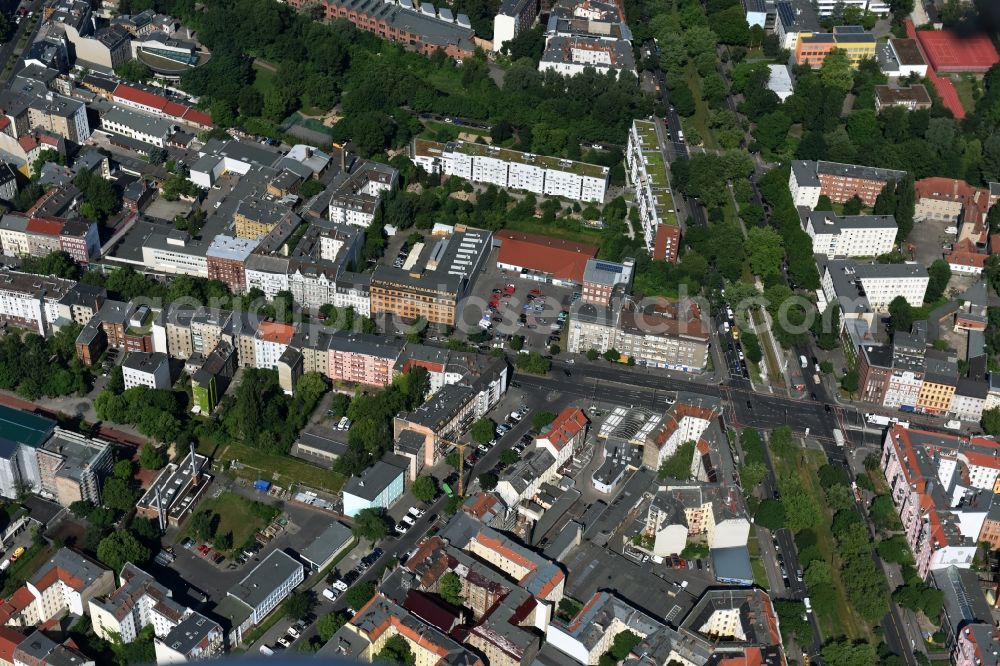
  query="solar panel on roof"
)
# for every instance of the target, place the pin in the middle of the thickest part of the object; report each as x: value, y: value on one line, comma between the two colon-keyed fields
x: 785, y: 13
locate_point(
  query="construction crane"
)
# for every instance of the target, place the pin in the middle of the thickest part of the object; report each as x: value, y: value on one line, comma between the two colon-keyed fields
x: 460, y: 447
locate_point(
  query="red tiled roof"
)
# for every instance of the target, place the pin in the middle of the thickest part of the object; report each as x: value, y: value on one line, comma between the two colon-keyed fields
x: 17, y: 602
x: 4, y: 121
x: 27, y: 142
x: 272, y: 331
x: 140, y: 96
x: 197, y: 117
x: 560, y: 258
x: 10, y: 638
x: 174, y: 109
x: 994, y: 243
x: 44, y: 226
x: 565, y: 427
x: 965, y: 254
x: 950, y: 189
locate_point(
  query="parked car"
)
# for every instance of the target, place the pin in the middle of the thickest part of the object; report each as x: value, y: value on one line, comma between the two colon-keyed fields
x: 284, y: 641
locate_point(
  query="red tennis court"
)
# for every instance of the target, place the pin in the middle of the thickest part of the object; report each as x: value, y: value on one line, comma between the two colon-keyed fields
x: 948, y: 52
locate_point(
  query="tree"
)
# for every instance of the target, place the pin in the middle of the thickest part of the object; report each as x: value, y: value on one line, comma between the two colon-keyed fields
x: 369, y: 524
x: 612, y: 355
x: 850, y: 382
x: 424, y: 489
x: 772, y: 130
x: 224, y: 541
x: 991, y: 421
x: 202, y: 525
x: 47, y: 155
x: 939, y: 273
x: 359, y: 595
x: 541, y: 419
x: 298, y: 605
x: 488, y: 481
x: 901, y: 314
x: 482, y: 430
x: 853, y: 206
x: 836, y: 71
x: 330, y: 624
x: 509, y: 457
x: 770, y: 514
x: 120, y: 547
x: 118, y: 496
x: 151, y: 457
x: 134, y: 70
x: 844, y: 652
x: 156, y: 156
x: 752, y: 474
x: 751, y: 345
x: 450, y: 588
x: 678, y: 466
x: 396, y: 651
x: 765, y: 249
x: 533, y: 363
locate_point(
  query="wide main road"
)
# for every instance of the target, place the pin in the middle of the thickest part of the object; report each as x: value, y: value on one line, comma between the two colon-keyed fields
x: 606, y: 384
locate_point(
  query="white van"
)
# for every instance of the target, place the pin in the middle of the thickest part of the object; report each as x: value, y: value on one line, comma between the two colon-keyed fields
x: 804, y: 361
x: 266, y: 650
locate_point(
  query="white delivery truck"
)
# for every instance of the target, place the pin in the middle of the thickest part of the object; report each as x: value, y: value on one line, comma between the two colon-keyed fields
x: 838, y: 436
x: 878, y: 419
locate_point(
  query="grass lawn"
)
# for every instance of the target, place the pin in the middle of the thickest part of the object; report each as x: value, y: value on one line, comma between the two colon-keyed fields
x: 32, y: 559
x: 263, y: 79
x: 281, y: 470
x: 234, y: 516
x: 753, y: 547
x: 963, y: 86
x: 844, y: 621
x: 700, y: 117
x: 580, y: 235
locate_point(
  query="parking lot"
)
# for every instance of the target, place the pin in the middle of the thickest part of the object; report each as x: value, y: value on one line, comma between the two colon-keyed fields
x: 513, y: 306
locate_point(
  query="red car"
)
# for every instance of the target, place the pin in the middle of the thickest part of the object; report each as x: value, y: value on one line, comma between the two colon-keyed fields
x: 509, y: 290
x: 536, y: 292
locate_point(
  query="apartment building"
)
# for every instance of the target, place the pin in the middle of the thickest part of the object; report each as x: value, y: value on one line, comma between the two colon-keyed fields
x: 37, y: 236
x: 72, y: 468
x: 480, y: 163
x: 64, y: 584
x: 937, y: 392
x: 32, y: 301
x: 852, y: 235
x: 138, y: 126
x: 225, y: 260
x: 431, y: 428
x: 270, y: 342
x: 810, y: 179
x: 661, y: 334
x: 908, y: 366
x: 564, y: 435
x: 363, y: 359
x: 646, y: 168
x: 712, y: 511
x: 267, y: 273
x: 912, y: 98
x: 942, y: 486
x: 503, y: 612
x: 602, y: 278
x: 140, y: 601
x: 861, y: 289
x: 572, y: 55
x: 512, y: 18
x: 382, y: 619
x: 255, y: 218
x: 592, y: 631
x: 425, y: 32
x: 356, y: 194
x: 30, y: 105
x: 149, y: 369
x: 856, y: 42
x: 252, y: 599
